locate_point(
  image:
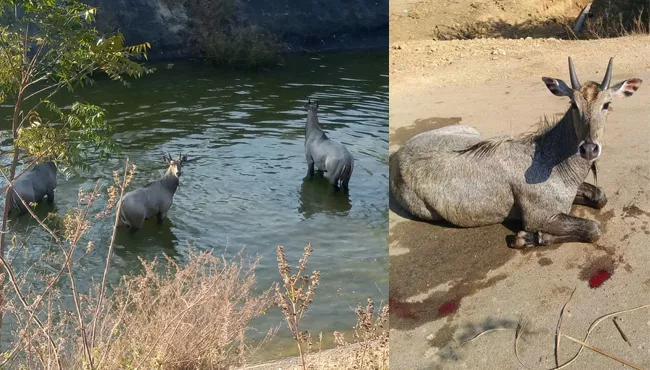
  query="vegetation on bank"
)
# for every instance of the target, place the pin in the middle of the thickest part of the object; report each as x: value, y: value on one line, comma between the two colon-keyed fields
x: 225, y: 38
x: 603, y: 19
x: 167, y: 317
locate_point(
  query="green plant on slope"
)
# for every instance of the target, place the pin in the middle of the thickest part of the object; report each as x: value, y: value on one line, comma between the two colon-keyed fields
x: 224, y: 38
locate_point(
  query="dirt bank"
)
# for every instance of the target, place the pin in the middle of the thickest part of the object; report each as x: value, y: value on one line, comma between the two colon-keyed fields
x: 442, y: 19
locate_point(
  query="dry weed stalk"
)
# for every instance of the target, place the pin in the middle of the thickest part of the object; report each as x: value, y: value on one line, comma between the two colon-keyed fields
x: 299, y: 290
x: 372, y: 336
x: 369, y: 349
x: 74, y: 226
x: 606, y: 26
x: 191, y: 317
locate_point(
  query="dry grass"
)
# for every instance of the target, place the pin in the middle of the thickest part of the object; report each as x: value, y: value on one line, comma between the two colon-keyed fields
x: 194, y: 316
x: 370, y: 341
x: 190, y: 317
x: 607, y: 27
x: 595, y: 27
x: 369, y: 348
x: 172, y: 317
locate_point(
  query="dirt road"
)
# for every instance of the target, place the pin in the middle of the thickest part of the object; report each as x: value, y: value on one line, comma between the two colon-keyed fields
x: 448, y: 285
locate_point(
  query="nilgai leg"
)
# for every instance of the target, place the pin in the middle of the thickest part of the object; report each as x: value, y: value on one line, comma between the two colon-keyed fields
x: 561, y: 228
x: 591, y: 196
x: 310, y: 168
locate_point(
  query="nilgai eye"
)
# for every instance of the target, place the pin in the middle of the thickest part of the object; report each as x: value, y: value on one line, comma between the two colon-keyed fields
x: 606, y: 106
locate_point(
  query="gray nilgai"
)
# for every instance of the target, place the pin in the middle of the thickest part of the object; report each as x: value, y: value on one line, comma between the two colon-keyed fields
x: 154, y: 199
x: 34, y: 185
x: 453, y: 174
x: 324, y: 154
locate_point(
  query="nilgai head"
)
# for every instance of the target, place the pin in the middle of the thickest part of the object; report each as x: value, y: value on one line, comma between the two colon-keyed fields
x: 175, y: 165
x: 589, y: 105
x: 311, y: 107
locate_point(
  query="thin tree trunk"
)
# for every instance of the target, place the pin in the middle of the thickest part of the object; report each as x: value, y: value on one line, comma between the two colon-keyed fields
x: 12, y: 175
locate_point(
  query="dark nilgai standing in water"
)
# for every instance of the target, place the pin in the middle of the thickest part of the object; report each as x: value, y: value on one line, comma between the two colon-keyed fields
x: 34, y: 185
x: 154, y: 199
x: 324, y: 154
x: 453, y: 174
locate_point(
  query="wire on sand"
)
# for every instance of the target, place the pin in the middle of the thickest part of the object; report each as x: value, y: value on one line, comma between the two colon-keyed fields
x: 583, y: 344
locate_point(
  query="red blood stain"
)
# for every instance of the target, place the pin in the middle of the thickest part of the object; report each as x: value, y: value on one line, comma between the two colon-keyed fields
x: 597, y: 279
x: 401, y: 309
x: 448, y: 308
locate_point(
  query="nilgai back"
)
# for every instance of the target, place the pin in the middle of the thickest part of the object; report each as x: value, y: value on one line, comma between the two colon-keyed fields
x: 34, y: 185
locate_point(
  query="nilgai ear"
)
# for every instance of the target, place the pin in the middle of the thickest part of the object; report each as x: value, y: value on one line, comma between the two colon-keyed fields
x: 184, y: 158
x: 165, y: 158
x: 557, y: 87
x: 626, y: 88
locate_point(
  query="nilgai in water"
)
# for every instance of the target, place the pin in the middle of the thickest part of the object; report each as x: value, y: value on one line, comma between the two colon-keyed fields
x: 34, y: 185
x: 454, y: 174
x: 324, y: 154
x: 155, y: 199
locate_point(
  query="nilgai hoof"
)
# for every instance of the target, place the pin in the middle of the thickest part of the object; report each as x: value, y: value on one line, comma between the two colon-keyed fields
x: 600, y: 203
x: 524, y: 239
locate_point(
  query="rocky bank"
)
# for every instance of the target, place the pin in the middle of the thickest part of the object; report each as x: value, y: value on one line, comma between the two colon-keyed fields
x: 302, y: 25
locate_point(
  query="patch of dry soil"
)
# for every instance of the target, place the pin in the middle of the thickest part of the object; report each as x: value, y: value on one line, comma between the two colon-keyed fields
x: 434, y: 19
x: 472, y: 62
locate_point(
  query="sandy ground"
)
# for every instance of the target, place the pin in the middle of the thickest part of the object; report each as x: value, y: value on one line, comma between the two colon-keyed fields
x: 447, y: 285
x: 320, y: 360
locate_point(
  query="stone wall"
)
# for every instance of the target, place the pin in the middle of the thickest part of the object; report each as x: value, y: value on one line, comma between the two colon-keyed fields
x: 303, y: 25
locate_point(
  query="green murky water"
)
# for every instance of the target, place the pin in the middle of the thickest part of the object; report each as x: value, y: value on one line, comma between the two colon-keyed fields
x: 243, y: 186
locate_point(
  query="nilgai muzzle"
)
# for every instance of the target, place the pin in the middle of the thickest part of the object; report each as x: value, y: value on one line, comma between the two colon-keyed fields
x: 324, y: 154
x: 155, y: 199
x: 454, y: 174
x: 33, y: 186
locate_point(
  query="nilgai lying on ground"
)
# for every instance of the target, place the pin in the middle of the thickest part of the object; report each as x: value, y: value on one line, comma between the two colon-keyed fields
x: 454, y: 174
x: 154, y: 199
x: 324, y: 154
x: 34, y: 185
